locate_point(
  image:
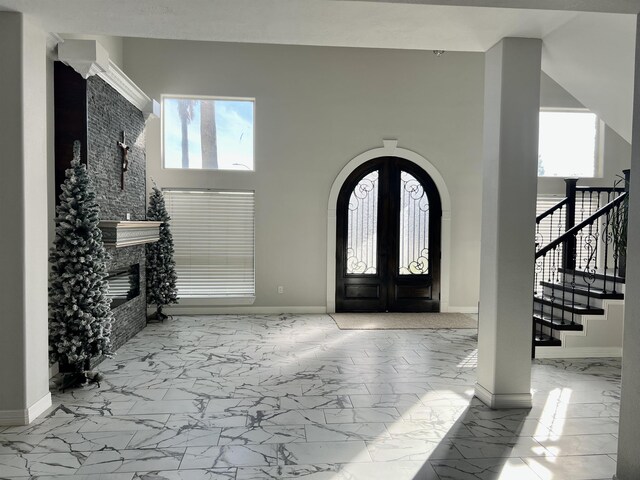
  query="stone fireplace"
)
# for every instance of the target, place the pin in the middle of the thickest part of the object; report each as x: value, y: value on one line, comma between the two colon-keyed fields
x: 95, y: 113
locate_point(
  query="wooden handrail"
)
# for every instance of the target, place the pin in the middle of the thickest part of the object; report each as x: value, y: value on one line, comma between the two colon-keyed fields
x: 601, y: 189
x: 588, y: 221
x: 558, y: 205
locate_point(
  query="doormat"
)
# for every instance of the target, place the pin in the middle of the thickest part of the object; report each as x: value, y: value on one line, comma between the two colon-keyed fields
x: 402, y: 321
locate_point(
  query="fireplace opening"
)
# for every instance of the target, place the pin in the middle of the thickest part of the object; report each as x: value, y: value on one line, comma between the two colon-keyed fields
x: 124, y: 285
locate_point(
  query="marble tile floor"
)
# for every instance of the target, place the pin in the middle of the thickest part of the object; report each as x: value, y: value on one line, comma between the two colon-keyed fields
x: 291, y: 396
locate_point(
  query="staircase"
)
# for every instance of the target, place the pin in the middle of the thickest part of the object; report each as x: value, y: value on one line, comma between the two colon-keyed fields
x: 579, y: 275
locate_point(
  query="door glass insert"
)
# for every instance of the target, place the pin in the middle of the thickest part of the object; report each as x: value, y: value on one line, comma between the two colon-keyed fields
x: 362, y: 227
x: 414, y: 227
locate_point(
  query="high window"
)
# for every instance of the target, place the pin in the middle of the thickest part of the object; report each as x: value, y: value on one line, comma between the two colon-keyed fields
x: 213, y: 235
x: 208, y: 133
x: 568, y: 144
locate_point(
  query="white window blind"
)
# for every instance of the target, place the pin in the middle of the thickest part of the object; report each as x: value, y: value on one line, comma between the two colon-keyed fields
x: 213, y: 234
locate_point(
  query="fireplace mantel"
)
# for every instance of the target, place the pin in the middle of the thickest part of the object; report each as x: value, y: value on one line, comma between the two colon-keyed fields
x: 125, y: 233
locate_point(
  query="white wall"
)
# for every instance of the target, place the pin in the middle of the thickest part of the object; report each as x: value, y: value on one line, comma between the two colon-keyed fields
x: 615, y: 152
x: 592, y: 56
x: 113, y: 45
x: 23, y: 244
x: 316, y: 109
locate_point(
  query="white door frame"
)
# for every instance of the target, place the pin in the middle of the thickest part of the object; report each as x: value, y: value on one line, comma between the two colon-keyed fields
x: 390, y: 149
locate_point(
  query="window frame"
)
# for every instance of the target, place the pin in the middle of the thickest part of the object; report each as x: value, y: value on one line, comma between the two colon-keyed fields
x: 598, y: 156
x: 204, y: 97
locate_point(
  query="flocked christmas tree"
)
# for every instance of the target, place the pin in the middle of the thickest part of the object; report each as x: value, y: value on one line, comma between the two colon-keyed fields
x: 161, y: 268
x: 79, y: 308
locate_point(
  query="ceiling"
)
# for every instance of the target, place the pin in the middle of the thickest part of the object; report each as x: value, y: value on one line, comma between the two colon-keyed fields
x: 588, y: 44
x: 408, y: 24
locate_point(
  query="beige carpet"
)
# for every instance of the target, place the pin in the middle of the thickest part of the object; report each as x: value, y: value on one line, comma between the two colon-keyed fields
x: 402, y: 321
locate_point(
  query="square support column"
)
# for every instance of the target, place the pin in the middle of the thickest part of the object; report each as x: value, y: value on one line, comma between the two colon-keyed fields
x: 24, y: 351
x: 628, y: 467
x: 510, y: 162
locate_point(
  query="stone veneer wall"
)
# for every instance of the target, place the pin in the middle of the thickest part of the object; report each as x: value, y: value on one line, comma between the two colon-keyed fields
x: 108, y: 114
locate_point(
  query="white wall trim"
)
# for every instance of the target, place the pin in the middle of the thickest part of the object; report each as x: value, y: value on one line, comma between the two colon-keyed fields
x: 213, y: 310
x: 89, y: 57
x: 513, y: 400
x: 578, y: 352
x: 25, y: 417
x: 390, y: 149
x: 129, y: 90
x: 454, y: 309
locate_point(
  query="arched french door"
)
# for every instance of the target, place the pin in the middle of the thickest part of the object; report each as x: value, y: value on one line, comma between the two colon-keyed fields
x: 388, y: 239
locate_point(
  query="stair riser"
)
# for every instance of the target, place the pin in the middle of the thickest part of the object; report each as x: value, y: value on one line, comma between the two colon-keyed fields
x: 578, y: 298
x: 537, y: 307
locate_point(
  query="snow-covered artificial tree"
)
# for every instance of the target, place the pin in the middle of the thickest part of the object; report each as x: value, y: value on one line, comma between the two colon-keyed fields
x: 79, y: 308
x: 161, y: 267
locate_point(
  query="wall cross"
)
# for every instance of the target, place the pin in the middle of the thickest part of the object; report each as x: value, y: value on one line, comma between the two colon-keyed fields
x: 125, y: 159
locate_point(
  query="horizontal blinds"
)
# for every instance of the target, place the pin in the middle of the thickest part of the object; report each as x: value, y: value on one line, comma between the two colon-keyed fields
x: 213, y: 235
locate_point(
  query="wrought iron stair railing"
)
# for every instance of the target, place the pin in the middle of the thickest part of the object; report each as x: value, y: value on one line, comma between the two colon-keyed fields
x: 577, y: 262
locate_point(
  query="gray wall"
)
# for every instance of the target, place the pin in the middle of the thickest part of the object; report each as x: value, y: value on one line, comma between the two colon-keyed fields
x: 316, y: 109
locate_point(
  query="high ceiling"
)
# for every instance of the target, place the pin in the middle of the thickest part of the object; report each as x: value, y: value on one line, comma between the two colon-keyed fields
x: 588, y: 48
x: 412, y: 24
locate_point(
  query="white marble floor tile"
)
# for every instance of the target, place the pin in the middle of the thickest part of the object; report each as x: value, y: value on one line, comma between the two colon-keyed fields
x: 170, y: 438
x: 484, y: 469
x: 314, y: 401
x: 114, y: 461
x: 83, y: 442
x: 18, y: 443
x: 229, y: 456
x: 32, y: 464
x: 124, y: 423
x: 573, y: 468
x: 579, y: 445
x: 287, y: 417
x: 168, y: 406
x: 256, y: 397
x: 341, y: 432
x: 498, y: 447
x: 362, y: 415
x: 262, y: 435
x: 198, y: 474
x: 243, y: 405
x: 386, y: 450
x: 323, y: 452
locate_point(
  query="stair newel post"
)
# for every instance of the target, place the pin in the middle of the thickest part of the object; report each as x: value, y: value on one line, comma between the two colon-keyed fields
x: 622, y: 260
x: 569, y: 247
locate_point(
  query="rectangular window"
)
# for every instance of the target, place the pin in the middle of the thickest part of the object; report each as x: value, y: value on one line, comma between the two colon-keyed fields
x: 568, y: 144
x: 208, y: 133
x: 213, y: 235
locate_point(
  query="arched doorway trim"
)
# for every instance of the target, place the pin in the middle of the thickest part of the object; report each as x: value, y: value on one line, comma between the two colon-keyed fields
x: 390, y: 149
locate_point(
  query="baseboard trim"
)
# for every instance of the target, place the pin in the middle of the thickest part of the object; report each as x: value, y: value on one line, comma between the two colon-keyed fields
x: 450, y: 309
x: 26, y: 416
x: 578, y: 352
x: 511, y: 400
x: 212, y: 310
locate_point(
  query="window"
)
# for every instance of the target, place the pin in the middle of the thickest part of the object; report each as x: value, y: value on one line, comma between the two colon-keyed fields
x: 213, y: 235
x: 207, y: 133
x: 568, y: 144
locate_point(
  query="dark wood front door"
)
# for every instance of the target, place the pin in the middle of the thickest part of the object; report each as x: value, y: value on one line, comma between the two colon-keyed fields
x: 388, y: 239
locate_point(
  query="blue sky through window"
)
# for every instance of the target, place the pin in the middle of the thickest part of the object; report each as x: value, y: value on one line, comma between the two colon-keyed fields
x: 234, y: 133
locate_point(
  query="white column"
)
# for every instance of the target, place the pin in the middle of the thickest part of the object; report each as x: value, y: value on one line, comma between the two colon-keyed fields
x: 510, y: 161
x: 24, y: 382
x: 629, y: 438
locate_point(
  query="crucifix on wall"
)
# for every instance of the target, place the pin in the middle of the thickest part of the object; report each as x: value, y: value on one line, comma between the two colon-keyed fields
x: 125, y: 159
